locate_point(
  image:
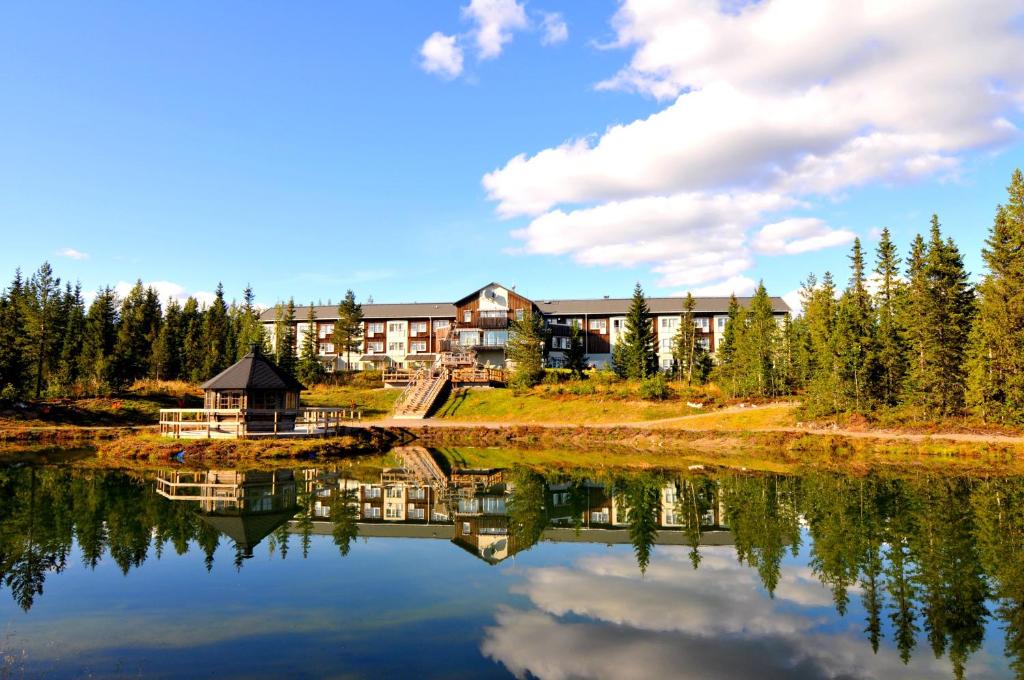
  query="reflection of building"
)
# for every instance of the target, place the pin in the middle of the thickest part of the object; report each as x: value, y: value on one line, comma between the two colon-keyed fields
x: 589, y: 504
x: 481, y: 515
x: 245, y: 506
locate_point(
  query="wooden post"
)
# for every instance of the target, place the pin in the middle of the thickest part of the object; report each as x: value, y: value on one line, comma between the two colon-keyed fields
x: 275, y: 421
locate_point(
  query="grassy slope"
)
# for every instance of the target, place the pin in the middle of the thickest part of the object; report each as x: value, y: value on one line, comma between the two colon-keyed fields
x: 376, y: 403
x: 545, y: 406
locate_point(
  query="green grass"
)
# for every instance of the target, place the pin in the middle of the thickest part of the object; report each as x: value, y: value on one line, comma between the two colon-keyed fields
x: 764, y: 417
x: 542, y: 405
x: 375, y: 403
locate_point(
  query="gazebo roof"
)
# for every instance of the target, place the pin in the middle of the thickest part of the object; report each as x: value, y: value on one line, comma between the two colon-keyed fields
x: 253, y: 372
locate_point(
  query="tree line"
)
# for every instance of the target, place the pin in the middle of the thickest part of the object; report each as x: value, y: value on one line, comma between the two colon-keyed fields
x: 53, y: 344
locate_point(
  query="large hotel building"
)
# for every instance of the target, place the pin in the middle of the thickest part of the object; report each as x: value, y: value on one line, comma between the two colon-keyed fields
x: 406, y: 335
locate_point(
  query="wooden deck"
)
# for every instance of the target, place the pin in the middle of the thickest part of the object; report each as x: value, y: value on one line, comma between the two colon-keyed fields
x: 460, y: 377
x: 210, y: 423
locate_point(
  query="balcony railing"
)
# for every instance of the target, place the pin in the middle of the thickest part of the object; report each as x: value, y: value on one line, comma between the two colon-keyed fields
x: 492, y: 322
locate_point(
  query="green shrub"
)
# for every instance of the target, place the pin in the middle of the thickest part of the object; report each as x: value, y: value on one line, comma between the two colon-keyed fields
x: 581, y: 388
x: 655, y: 388
x: 366, y: 379
x: 604, y: 376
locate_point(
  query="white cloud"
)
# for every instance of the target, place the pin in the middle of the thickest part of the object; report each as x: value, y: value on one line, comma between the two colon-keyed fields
x: 441, y: 55
x: 495, y: 22
x: 799, y: 235
x: 794, y: 301
x: 894, y: 92
x: 734, y: 285
x: 73, y: 254
x: 554, y: 28
x: 167, y: 290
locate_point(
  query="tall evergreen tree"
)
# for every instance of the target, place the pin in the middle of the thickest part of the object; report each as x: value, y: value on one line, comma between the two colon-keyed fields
x: 756, y: 339
x: 348, y: 329
x: 526, y: 349
x: 168, y: 351
x: 939, y: 317
x: 67, y: 371
x: 639, y: 352
x: 820, y: 314
x: 216, y: 336
x: 14, y: 363
x: 98, y: 342
x: 193, y: 349
x: 41, y: 315
x: 996, y: 380
x: 248, y: 329
x: 309, y: 370
x: 284, y: 340
x: 891, y: 343
x: 684, y: 344
x: 136, y: 335
x: 854, y: 340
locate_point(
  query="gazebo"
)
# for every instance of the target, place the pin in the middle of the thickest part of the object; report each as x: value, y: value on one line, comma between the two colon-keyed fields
x: 266, y: 397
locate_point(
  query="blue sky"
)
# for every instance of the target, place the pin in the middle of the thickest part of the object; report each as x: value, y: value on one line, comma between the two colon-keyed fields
x: 309, y: 149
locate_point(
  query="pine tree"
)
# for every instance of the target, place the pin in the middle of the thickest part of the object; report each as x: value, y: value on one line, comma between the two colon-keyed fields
x: 820, y: 315
x: 67, y: 372
x: 684, y: 344
x: 725, y: 349
x: 168, y: 352
x: 216, y: 336
x: 855, y: 339
x: 996, y: 380
x: 348, y: 329
x: 284, y: 340
x: 248, y: 329
x: 891, y: 344
x: 136, y: 334
x: 575, y: 355
x: 193, y: 350
x: 941, y: 330
x: 98, y: 342
x: 756, y: 340
x: 14, y: 363
x: 526, y: 349
x: 309, y: 370
x: 41, y: 314
x: 639, y: 353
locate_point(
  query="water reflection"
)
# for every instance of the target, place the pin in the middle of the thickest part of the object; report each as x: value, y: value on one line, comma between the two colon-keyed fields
x: 930, y: 562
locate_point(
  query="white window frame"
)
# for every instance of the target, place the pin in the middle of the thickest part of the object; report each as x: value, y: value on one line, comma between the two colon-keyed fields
x: 599, y: 325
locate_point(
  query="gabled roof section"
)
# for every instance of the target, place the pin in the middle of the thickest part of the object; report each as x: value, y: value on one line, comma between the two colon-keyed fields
x: 375, y: 312
x: 253, y: 372
x: 657, y: 305
x: 492, y: 283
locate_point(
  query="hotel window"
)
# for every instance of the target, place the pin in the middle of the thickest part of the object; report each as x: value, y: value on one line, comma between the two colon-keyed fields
x: 670, y: 495
x: 560, y: 343
x: 469, y: 338
x: 375, y: 328
x: 520, y: 313
x: 418, y: 346
x: 372, y: 513
x: 560, y: 498
x: 492, y: 314
x: 669, y: 322
x: 720, y: 322
x: 326, y: 330
x: 467, y: 316
x: 393, y: 512
x: 327, y: 348
x: 704, y: 342
x: 599, y: 517
x: 441, y: 323
x: 417, y: 494
x: 666, y: 364
x: 670, y: 517
x: 416, y: 513
x: 494, y: 506
x: 465, y: 528
x: 375, y: 347
x: 617, y: 324
x: 396, y: 346
x: 373, y: 492
x: 395, y: 327
x: 394, y: 492
x: 702, y: 323
x: 419, y: 328
x: 599, y: 325
x: 666, y: 343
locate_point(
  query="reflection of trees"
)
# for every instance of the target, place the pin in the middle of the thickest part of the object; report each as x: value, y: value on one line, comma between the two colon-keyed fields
x: 640, y: 496
x: 526, y: 514
x: 762, y: 513
x: 344, y: 514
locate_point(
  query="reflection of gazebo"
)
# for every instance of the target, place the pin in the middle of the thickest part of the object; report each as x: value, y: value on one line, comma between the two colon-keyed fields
x: 244, y: 506
x: 267, y: 397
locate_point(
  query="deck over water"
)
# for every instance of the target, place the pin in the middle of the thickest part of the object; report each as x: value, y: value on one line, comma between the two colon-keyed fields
x: 204, y: 423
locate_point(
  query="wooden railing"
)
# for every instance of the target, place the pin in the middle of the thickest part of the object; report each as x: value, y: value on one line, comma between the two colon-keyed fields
x: 479, y: 375
x: 236, y: 423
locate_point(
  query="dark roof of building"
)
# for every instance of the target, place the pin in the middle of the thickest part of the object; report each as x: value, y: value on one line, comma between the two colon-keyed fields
x: 371, y: 312
x: 658, y: 305
x: 253, y: 372
x: 608, y: 306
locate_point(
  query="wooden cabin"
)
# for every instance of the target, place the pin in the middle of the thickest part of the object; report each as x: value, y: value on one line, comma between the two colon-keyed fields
x: 266, y: 396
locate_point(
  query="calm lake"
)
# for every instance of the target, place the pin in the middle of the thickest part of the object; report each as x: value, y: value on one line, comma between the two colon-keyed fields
x: 426, y: 563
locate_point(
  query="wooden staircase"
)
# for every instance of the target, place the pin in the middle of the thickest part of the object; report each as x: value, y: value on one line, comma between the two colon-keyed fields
x: 422, y: 393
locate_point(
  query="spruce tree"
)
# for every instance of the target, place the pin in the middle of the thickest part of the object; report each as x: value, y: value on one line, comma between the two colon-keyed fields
x: 248, y: 329
x: 891, y: 345
x: 216, y: 338
x: 639, y: 353
x: 14, y: 364
x: 309, y: 370
x: 575, y: 355
x: 41, y: 315
x: 136, y: 334
x: 725, y: 348
x: 284, y: 342
x: 168, y: 351
x: 820, y: 316
x: 98, y: 342
x: 67, y: 372
x: 193, y: 350
x: 684, y: 345
x: 348, y: 329
x: 854, y: 340
x: 756, y: 341
x: 526, y: 349
x: 996, y: 380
